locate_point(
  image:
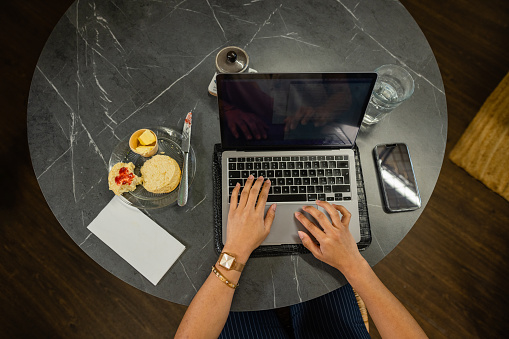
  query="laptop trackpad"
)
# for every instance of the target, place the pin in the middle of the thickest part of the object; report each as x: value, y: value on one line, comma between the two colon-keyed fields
x: 285, y: 227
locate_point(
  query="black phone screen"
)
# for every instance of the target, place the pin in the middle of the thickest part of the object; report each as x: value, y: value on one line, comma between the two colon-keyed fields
x: 397, y: 179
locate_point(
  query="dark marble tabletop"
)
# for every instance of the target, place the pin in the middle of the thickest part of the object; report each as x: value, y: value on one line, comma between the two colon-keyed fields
x: 112, y: 67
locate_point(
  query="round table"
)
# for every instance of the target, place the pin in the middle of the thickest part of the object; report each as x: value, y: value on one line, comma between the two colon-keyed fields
x: 112, y: 67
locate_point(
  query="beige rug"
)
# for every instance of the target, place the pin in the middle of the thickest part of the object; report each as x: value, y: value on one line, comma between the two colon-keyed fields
x: 483, y: 150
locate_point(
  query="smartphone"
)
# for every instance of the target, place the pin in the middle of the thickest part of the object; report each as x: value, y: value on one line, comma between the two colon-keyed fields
x: 396, y: 177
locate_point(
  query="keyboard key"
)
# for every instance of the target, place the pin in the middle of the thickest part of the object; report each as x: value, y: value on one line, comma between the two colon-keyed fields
x: 307, y: 165
x: 270, y: 173
x: 257, y: 165
x: 267, y: 159
x: 297, y: 181
x: 294, y: 189
x: 233, y: 182
x: 312, y: 173
x: 338, y: 157
x: 274, y: 165
x: 330, y: 198
x: 319, y: 189
x: 279, y: 173
x: 339, y: 181
x: 312, y: 197
x: 299, y: 165
x: 244, y: 174
x: 315, y: 164
x: 241, y: 159
x: 331, y: 164
x: 312, y: 158
x: 327, y: 189
x: 303, y: 158
x: 261, y: 173
x: 324, y: 164
x: 328, y: 172
x: 294, y: 158
x: 311, y: 189
x: 323, y: 181
x: 331, y: 180
x: 295, y: 173
x: 314, y: 181
x: 276, y: 158
x: 287, y: 173
x: 320, y: 172
x: 250, y: 159
x: 280, y: 181
x: 347, y: 198
x: 232, y: 166
x: 249, y: 166
x: 306, y: 181
x: 240, y: 166
x: 342, y: 164
x: 321, y: 157
x: 329, y: 157
x: 286, y: 197
x: 286, y: 158
x: 259, y: 159
x: 277, y: 189
x: 345, y: 157
x: 302, y: 189
x: 266, y: 165
x: 321, y: 197
x: 290, y: 165
x: 282, y: 165
x: 286, y: 189
x: 340, y: 188
x: 289, y: 181
x: 232, y: 159
x: 234, y: 174
x: 336, y: 172
x: 303, y: 173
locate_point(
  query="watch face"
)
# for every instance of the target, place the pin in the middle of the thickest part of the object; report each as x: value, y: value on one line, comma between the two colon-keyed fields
x: 226, y: 261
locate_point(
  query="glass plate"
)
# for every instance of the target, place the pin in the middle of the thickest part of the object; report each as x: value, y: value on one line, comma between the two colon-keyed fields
x: 169, y: 142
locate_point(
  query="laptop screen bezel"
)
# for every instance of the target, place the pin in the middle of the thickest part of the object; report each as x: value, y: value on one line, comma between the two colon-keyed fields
x: 372, y: 76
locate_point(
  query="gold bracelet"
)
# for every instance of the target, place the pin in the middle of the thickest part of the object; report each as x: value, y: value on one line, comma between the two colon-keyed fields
x: 223, y: 279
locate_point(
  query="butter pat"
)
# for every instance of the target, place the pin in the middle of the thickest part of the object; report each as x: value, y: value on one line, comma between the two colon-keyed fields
x: 147, y: 138
x: 143, y: 149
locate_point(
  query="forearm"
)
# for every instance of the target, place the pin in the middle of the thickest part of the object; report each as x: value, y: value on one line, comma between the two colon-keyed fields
x: 207, y: 313
x: 391, y: 318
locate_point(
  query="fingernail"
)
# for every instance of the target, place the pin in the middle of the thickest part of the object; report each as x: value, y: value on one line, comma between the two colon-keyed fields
x: 317, y: 201
x: 273, y: 207
x: 238, y: 184
x: 297, y: 214
x: 251, y: 177
x: 301, y: 235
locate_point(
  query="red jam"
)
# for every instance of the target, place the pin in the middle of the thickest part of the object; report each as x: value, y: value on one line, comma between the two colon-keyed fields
x: 125, y: 177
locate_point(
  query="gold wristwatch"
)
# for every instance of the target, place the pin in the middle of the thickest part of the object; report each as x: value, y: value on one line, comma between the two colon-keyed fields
x: 228, y: 261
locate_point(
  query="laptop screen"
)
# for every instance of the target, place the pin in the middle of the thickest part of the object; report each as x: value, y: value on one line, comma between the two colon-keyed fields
x: 286, y: 110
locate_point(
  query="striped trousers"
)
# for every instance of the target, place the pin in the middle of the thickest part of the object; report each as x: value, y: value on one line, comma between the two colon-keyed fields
x: 334, y: 315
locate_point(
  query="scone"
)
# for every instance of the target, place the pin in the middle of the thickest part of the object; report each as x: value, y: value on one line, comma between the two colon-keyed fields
x: 122, y: 178
x: 161, y: 174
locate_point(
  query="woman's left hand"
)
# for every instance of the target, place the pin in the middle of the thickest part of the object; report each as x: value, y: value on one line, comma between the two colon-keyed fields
x: 247, y: 228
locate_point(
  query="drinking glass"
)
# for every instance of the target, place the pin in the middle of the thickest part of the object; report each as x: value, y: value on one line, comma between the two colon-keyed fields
x: 393, y: 86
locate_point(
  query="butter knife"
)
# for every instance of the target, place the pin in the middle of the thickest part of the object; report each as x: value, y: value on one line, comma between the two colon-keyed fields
x: 186, y: 143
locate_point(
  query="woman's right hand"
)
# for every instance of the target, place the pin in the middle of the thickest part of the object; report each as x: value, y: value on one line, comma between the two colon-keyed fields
x: 336, y: 245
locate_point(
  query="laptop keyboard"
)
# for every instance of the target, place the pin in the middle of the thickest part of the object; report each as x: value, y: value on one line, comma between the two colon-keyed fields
x: 295, y: 178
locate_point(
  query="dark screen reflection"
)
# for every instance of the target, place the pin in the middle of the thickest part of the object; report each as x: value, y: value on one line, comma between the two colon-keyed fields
x: 287, y: 111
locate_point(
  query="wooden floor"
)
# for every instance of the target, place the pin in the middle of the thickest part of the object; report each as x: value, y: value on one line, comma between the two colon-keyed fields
x: 451, y: 271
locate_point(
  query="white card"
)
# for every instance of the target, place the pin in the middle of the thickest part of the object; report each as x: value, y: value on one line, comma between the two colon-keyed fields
x: 137, y: 239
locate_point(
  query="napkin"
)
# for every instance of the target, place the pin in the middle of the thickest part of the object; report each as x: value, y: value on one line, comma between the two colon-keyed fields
x: 137, y: 239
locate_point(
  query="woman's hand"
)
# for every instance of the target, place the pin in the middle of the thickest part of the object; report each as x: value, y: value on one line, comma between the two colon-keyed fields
x: 336, y: 246
x: 247, y: 228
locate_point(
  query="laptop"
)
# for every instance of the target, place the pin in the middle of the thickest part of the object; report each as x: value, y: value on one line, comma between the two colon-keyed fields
x: 298, y: 130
